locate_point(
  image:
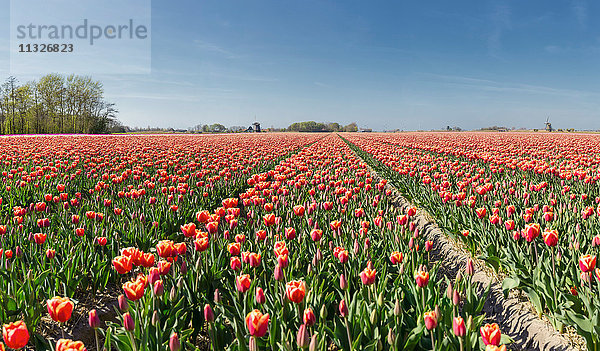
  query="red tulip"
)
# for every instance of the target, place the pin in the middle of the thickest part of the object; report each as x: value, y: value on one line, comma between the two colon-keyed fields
x: 15, y: 334
x: 257, y: 323
x: 587, y: 263
x: 458, y: 326
x: 430, y: 320
x: 396, y: 257
x: 550, y: 237
x: 299, y: 210
x: 93, y: 319
x: 242, y: 283
x: 316, y: 234
x: 295, y: 291
x: 308, y: 317
x: 490, y: 333
x: 174, y: 344
x: 128, y: 322
x: 367, y: 276
x: 39, y: 238
x: 422, y: 278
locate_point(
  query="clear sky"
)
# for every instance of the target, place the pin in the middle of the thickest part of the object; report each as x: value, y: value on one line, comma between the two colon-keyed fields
x: 382, y: 64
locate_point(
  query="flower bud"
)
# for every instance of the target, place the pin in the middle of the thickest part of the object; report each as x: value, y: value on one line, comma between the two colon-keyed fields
x: 158, y: 288
x: 449, y: 291
x: 302, y: 338
x: 94, y: 320
x: 128, y: 322
x: 155, y: 318
x: 469, y: 269
x: 397, y: 308
x: 174, y: 344
x: 314, y: 341
x: 260, y: 296
x: 456, y: 298
x: 209, y: 315
x: 323, y: 313
x: 278, y: 274
x: 373, y: 317
x: 343, y: 308
x: 123, y: 305
x: 391, y: 338
x: 343, y: 282
x: 173, y: 294
x: 308, y: 317
x: 380, y: 299
x: 217, y: 296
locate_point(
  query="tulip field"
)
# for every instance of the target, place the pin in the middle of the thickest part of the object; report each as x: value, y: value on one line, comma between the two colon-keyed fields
x: 292, y: 241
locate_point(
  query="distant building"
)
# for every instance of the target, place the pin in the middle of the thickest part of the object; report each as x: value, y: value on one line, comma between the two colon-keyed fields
x: 254, y: 128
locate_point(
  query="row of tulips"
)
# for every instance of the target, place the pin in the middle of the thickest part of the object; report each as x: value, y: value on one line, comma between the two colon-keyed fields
x: 311, y: 255
x: 527, y: 204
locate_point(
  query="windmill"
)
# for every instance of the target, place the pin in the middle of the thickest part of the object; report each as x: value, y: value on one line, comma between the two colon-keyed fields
x: 548, y: 125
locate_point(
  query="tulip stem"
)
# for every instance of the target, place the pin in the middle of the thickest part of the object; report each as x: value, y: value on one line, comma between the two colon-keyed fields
x: 432, y: 340
x: 460, y: 342
x: 348, y: 332
x: 97, y: 340
x: 132, y: 341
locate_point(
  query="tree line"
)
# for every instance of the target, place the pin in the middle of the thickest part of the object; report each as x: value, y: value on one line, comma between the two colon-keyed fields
x: 55, y: 104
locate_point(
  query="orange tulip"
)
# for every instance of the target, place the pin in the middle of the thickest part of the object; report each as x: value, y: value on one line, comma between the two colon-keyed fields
x: 69, y: 345
x: 60, y: 308
x: 122, y: 264
x: 135, y: 289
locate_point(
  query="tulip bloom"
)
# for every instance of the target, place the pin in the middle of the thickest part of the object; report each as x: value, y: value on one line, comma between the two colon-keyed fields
x: 587, y: 263
x: 69, y: 345
x: 60, y: 308
x: 295, y: 291
x: 269, y: 219
x: 39, y: 238
x: 308, y: 317
x: 257, y: 323
x: 490, y: 333
x: 135, y: 289
x: 299, y: 210
x: 458, y: 326
x: 15, y: 334
x: 396, y: 257
x: 430, y: 320
x: 550, y: 237
x: 234, y: 249
x: 242, y: 283
x: 422, y: 278
x: 316, y: 234
x: 367, y: 276
x: 166, y: 248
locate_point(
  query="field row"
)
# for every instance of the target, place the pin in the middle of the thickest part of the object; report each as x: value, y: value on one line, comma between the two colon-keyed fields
x: 236, y: 242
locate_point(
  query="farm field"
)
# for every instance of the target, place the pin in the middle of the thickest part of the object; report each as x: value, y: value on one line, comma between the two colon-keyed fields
x: 285, y: 241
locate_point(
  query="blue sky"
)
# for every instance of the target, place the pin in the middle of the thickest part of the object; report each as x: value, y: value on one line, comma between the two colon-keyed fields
x: 384, y: 65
